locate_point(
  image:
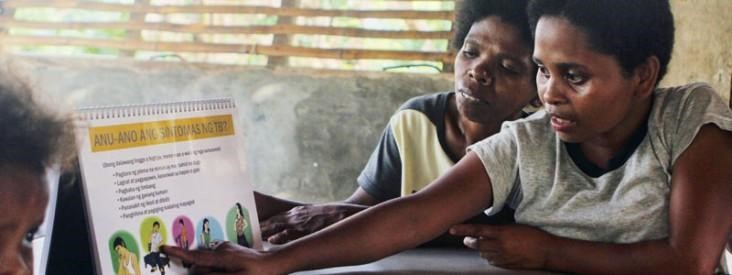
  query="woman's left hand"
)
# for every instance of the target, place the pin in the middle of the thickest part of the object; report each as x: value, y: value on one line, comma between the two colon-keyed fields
x: 510, y: 246
x: 226, y: 258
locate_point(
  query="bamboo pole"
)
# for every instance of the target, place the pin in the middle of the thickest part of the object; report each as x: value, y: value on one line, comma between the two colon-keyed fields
x: 449, y: 66
x: 135, y: 34
x: 208, y: 29
x: 231, y: 9
x: 282, y: 39
x: 275, y: 50
x: 6, y: 14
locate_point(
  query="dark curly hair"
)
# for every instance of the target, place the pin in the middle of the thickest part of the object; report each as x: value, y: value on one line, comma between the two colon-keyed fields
x: 33, y: 136
x: 118, y: 241
x: 629, y: 30
x: 512, y: 12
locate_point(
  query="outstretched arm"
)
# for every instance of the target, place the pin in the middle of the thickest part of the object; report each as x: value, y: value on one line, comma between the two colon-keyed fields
x: 303, y: 219
x: 377, y: 232
x: 700, y: 224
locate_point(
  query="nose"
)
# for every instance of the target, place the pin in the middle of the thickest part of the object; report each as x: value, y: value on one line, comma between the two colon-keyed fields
x: 16, y: 263
x: 480, y: 75
x: 13, y: 267
x: 551, y: 92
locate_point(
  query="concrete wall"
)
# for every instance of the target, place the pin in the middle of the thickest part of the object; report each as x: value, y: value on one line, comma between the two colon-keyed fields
x: 307, y: 134
x: 703, y: 49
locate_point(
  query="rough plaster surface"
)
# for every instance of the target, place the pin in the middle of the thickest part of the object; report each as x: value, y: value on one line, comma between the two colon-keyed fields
x: 307, y: 135
x: 703, y: 49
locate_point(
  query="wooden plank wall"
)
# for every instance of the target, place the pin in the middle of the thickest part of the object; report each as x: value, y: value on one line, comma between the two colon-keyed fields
x: 279, y: 49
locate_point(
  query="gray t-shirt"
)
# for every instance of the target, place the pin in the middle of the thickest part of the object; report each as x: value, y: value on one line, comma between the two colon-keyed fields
x: 531, y: 170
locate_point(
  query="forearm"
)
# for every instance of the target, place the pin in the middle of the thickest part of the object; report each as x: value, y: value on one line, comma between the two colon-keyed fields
x: 268, y: 206
x: 394, y: 225
x: 648, y: 257
x: 361, y: 239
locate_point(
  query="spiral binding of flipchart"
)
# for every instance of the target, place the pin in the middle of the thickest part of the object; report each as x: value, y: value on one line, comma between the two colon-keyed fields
x: 123, y: 111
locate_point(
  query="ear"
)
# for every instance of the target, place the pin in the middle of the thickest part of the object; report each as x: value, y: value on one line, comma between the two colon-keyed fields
x: 646, y: 75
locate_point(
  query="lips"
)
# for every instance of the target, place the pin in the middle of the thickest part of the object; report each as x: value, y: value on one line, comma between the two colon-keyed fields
x: 468, y: 97
x: 562, y: 124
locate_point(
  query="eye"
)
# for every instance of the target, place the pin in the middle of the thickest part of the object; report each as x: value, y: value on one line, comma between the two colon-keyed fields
x: 30, y: 235
x: 469, y: 53
x: 575, y: 77
x: 509, y: 67
x: 544, y: 72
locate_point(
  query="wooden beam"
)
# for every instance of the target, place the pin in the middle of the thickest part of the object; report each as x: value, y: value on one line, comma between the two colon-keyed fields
x: 231, y: 9
x: 209, y: 29
x: 275, y: 50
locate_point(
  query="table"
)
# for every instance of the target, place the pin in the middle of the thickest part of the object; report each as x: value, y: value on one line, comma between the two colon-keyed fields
x: 425, y: 261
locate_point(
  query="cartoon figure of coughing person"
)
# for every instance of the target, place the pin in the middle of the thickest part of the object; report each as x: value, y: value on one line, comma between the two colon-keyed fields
x: 128, y: 264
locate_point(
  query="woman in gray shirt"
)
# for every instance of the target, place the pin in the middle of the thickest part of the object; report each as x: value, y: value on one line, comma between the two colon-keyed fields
x: 615, y: 176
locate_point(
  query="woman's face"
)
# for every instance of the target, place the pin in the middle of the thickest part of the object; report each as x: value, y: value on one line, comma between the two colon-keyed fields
x: 24, y: 195
x: 121, y: 250
x: 493, y: 72
x: 584, y: 91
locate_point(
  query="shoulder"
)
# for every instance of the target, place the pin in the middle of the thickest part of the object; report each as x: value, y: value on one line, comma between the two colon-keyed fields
x: 690, y: 95
x: 422, y: 111
x: 679, y: 112
x: 692, y: 103
x: 427, y: 103
x: 533, y: 126
x: 530, y: 132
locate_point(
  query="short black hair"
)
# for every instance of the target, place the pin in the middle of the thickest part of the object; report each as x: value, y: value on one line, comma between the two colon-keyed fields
x: 118, y: 241
x: 33, y: 136
x: 238, y: 207
x: 512, y: 12
x: 156, y: 223
x: 629, y: 30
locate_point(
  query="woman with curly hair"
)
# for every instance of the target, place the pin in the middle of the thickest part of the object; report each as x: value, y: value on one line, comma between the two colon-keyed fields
x: 33, y: 139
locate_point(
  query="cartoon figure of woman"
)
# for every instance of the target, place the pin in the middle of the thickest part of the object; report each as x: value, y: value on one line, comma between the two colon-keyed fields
x: 240, y: 224
x: 128, y: 264
x: 182, y: 238
x: 205, y: 235
x: 155, y: 258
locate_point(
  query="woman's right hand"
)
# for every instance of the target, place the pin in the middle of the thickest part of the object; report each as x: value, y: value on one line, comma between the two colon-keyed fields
x: 226, y: 258
x: 303, y: 220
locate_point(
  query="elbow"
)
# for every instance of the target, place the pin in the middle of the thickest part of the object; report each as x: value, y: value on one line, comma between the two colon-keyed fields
x: 692, y: 264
